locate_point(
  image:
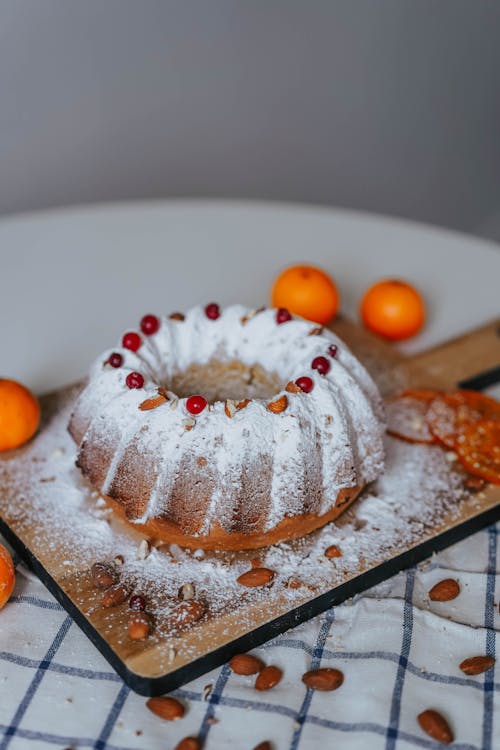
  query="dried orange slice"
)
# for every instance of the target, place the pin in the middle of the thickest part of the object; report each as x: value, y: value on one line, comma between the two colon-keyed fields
x: 448, y: 413
x: 407, y: 415
x: 478, y: 448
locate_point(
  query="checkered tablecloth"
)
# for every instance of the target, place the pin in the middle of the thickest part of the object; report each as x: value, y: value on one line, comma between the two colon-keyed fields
x: 399, y: 653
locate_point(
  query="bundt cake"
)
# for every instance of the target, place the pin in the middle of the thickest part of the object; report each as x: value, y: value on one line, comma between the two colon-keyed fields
x: 287, y: 430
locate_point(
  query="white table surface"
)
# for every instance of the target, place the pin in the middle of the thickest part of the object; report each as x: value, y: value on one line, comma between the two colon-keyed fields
x: 70, y: 283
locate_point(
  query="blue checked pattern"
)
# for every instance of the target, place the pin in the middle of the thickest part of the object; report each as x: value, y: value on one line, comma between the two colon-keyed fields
x: 399, y: 655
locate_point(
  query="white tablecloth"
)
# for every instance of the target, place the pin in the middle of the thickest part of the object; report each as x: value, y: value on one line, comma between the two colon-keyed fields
x: 399, y: 653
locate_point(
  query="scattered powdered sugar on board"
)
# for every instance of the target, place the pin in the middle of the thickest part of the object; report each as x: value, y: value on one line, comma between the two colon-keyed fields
x: 420, y: 487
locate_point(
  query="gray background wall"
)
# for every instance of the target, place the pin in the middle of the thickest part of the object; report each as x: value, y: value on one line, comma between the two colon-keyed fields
x: 385, y: 105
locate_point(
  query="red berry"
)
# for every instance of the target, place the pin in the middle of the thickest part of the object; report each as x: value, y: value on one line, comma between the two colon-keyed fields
x: 196, y: 404
x: 282, y: 315
x: 305, y: 384
x: 321, y: 364
x: 115, y: 360
x: 137, y: 603
x: 212, y: 311
x: 131, y: 341
x: 332, y: 350
x: 149, y: 324
x: 134, y: 380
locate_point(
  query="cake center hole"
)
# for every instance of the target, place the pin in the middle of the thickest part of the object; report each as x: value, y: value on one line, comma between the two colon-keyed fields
x: 218, y: 380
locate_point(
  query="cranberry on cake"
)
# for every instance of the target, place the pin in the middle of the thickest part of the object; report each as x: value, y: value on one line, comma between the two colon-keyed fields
x: 229, y: 429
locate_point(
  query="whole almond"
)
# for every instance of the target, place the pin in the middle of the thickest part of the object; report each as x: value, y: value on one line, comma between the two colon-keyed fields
x: 166, y: 708
x: 324, y: 678
x: 279, y: 405
x: 139, y: 626
x: 184, y: 614
x: 263, y: 746
x: 152, y: 403
x: 189, y: 743
x: 445, y: 590
x: 292, y: 387
x: 435, y: 726
x: 103, y: 575
x: 256, y: 577
x: 268, y: 678
x: 245, y: 664
x: 333, y: 551
x: 114, y: 596
x: 477, y: 664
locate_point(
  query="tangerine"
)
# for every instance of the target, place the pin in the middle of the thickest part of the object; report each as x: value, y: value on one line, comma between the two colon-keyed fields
x: 19, y: 414
x: 7, y: 575
x: 306, y: 291
x: 393, y: 309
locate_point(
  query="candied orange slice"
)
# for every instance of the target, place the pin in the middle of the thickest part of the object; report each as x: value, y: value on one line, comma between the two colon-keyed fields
x: 448, y: 413
x: 407, y: 415
x: 478, y: 448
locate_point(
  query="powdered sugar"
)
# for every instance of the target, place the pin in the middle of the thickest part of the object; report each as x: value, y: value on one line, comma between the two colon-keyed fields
x: 419, y: 487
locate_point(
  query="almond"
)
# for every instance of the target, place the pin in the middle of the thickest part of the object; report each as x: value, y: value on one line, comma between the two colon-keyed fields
x: 152, y: 403
x: 114, y: 596
x: 268, y: 678
x: 435, y: 726
x: 139, y: 626
x: 292, y: 387
x: 323, y: 679
x: 477, y: 664
x: 293, y: 583
x: 445, y: 590
x: 333, y: 551
x: 184, y: 614
x: 279, y: 405
x: 166, y: 707
x: 474, y: 484
x: 229, y: 408
x: 189, y: 743
x: 243, y: 404
x: 245, y: 664
x: 103, y: 575
x: 186, y: 591
x: 316, y: 331
x: 263, y: 746
x: 177, y: 316
x: 256, y: 577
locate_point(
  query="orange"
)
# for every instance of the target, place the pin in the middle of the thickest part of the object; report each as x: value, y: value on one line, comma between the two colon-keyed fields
x: 7, y: 575
x: 19, y: 414
x: 394, y: 309
x: 306, y: 291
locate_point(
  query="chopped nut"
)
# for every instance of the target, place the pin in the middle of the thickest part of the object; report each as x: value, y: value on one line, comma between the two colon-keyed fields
x: 143, y: 549
x: 186, y: 591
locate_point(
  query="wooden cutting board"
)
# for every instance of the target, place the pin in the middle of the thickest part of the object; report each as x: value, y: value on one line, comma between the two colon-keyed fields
x: 168, y: 660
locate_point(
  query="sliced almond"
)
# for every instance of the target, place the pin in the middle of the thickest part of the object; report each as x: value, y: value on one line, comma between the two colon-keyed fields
x: 445, y: 590
x: 436, y: 726
x: 143, y: 549
x: 166, y: 707
x: 324, y: 678
x: 230, y: 408
x: 474, y: 484
x: 177, y: 316
x: 268, y: 678
x: 103, y: 575
x: 139, y: 626
x: 245, y: 664
x: 115, y: 596
x: 477, y: 664
x: 316, y: 331
x: 256, y: 577
x: 152, y: 403
x: 279, y: 405
x: 188, y: 423
x: 292, y: 387
x: 243, y: 404
x: 293, y: 583
x: 185, y: 614
x: 333, y: 551
x: 119, y: 560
